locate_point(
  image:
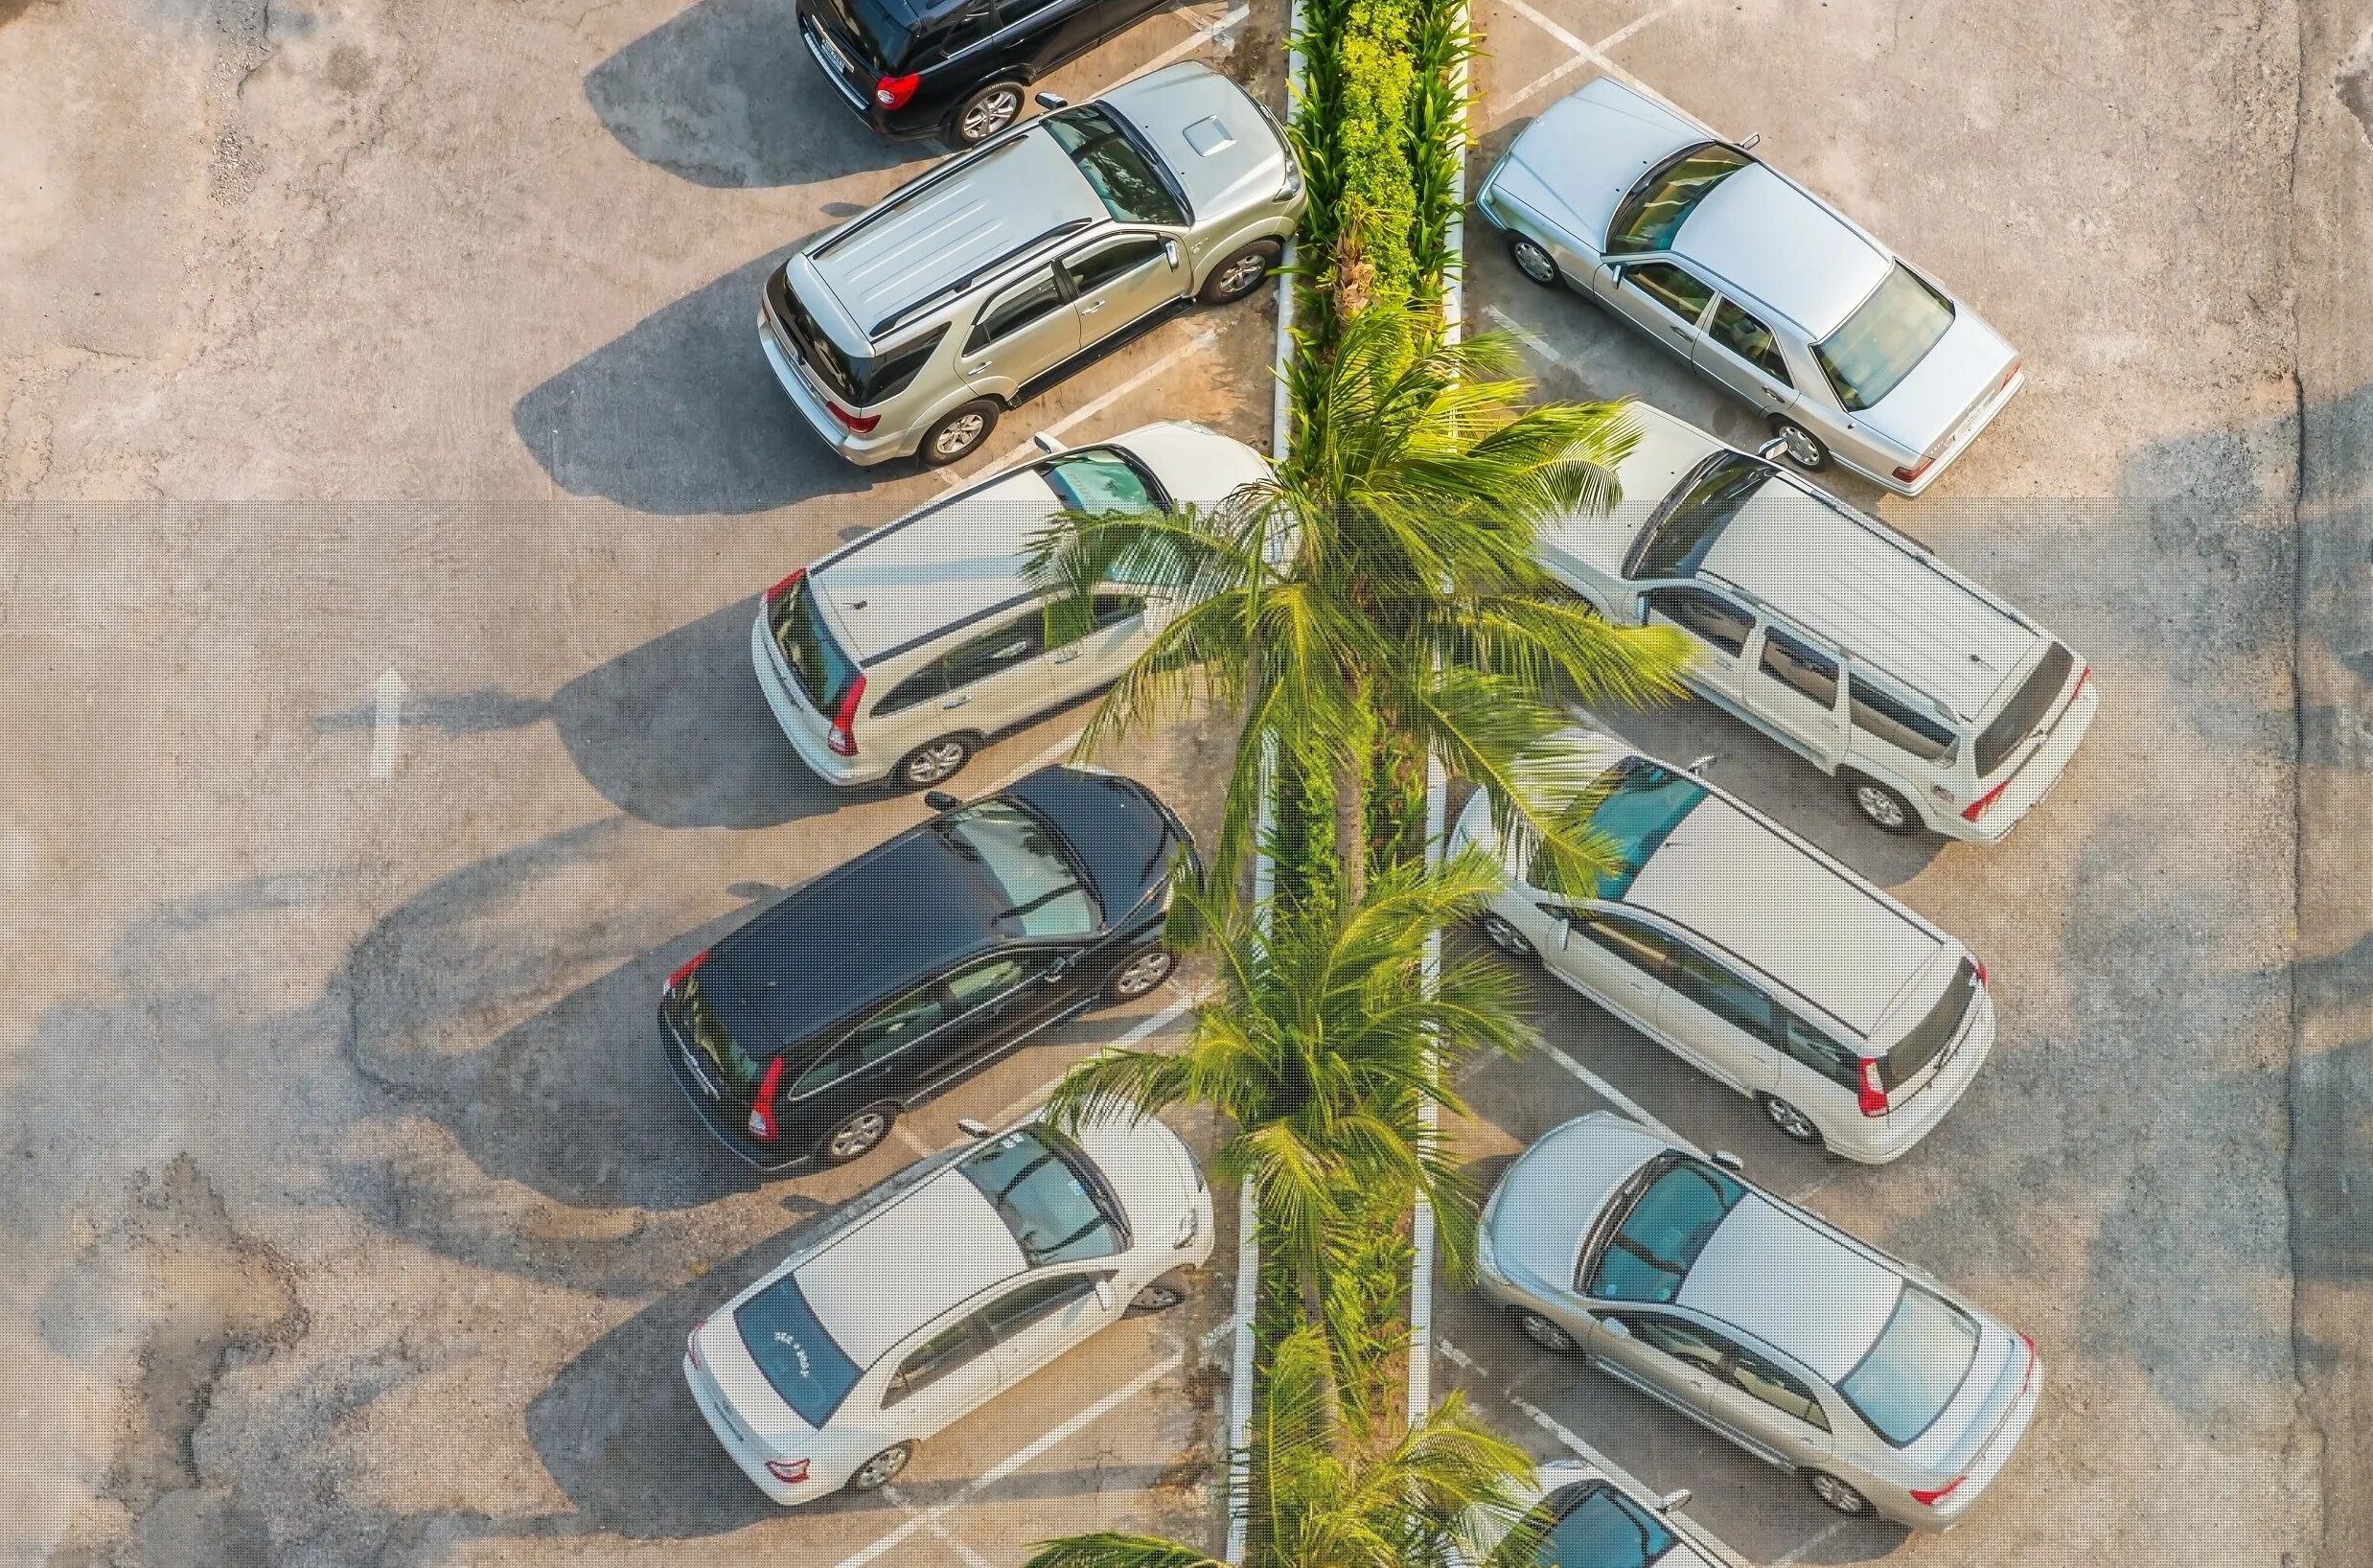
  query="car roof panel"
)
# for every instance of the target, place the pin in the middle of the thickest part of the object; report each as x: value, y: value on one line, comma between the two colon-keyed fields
x: 1780, y: 244
x: 1771, y: 1273
x: 907, y: 1265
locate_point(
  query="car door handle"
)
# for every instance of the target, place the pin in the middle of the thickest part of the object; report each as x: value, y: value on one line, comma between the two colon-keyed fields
x: 956, y: 701
x: 1065, y: 657
x: 1090, y: 309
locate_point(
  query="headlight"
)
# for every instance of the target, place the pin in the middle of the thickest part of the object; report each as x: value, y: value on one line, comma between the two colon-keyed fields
x: 1190, y: 1227
x: 1292, y: 187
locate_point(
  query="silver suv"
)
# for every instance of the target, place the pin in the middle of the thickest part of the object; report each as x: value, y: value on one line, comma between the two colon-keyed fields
x: 909, y: 329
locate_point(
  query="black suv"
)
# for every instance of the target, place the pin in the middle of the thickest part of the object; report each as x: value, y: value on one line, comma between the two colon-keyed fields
x: 801, y: 1036
x: 955, y: 68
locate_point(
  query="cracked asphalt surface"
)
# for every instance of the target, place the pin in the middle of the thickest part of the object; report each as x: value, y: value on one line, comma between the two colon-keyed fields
x: 348, y: 1217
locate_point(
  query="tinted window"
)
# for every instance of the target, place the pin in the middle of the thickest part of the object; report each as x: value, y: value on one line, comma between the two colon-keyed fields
x: 1815, y: 1050
x: 860, y: 380
x: 817, y: 663
x: 1772, y: 1384
x: 697, y: 1017
x: 2026, y: 710
x: 1638, y: 946
x: 801, y: 1361
x: 1693, y: 1347
x: 1889, y: 333
x: 1721, y: 624
x: 924, y: 684
x: 948, y: 1350
x: 994, y: 651
x: 988, y: 980
x: 1600, y: 1528
x: 1670, y: 287
x: 1712, y: 986
x: 1130, y: 188
x: 1010, y: 11
x: 1043, y: 892
x: 1934, y: 1031
x: 1667, y: 1225
x: 1644, y: 802
x: 1653, y: 213
x: 1804, y: 670
x: 885, y: 377
x: 1100, y: 480
x: 1065, y: 626
x: 1113, y: 609
x: 1898, y: 723
x: 967, y: 29
x: 890, y: 1029
x: 880, y: 32
x: 1907, y: 1378
x: 1039, y: 1300
x: 1099, y: 267
x: 1687, y: 523
x: 1015, y: 309
x: 1041, y: 1188
x: 1749, y: 339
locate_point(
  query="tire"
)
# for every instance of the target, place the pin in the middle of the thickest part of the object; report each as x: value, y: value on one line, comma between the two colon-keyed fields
x: 1159, y: 1297
x: 1141, y: 973
x: 1793, y: 1124
x: 1537, y: 264
x: 1805, y: 448
x: 857, y: 1137
x: 990, y: 109
x: 1883, y: 807
x: 881, y: 1468
x: 934, y: 762
x: 1506, y: 937
x: 1240, y: 274
x: 1836, y: 1494
x: 1546, y: 1334
x: 958, y: 433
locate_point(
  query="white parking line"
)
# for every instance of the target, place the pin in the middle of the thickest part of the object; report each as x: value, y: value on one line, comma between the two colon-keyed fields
x: 1584, y: 53
x: 938, y: 1532
x: 1154, y: 1024
x: 1203, y: 340
x: 1610, y: 1093
x: 1054, y: 753
x: 1522, y: 333
x: 1204, y: 32
x: 1797, y: 1555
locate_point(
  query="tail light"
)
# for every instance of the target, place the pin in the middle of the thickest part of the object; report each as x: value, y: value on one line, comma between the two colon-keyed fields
x: 683, y: 970
x: 692, y: 1344
x: 1979, y: 964
x: 785, y: 586
x: 1930, y: 1499
x: 843, y: 736
x: 788, y: 1469
x: 2082, y: 681
x: 853, y: 424
x: 762, y: 1103
x: 1871, y: 1095
x: 894, y: 92
x: 1977, y: 808
x: 1911, y: 475
x: 2034, y: 1359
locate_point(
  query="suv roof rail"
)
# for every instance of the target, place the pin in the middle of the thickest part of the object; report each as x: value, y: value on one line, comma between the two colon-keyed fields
x: 908, y: 312
x: 897, y: 199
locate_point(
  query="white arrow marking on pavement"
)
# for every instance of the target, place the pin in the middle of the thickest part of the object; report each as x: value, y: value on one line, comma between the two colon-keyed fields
x: 388, y: 690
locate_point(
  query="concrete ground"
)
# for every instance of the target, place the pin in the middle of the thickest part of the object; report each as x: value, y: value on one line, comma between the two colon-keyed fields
x: 2153, y: 1176
x: 359, y: 355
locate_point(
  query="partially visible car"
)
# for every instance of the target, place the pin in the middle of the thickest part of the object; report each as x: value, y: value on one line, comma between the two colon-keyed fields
x: 1579, y: 1515
x: 1848, y: 351
x: 1672, y: 1273
x: 951, y: 1282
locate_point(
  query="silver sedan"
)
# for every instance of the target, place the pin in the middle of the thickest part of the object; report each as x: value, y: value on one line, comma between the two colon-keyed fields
x: 1850, y: 353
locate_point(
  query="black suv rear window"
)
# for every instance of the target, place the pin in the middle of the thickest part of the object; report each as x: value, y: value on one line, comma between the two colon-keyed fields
x: 1931, y: 1035
x: 817, y: 662
x: 801, y: 1361
x: 880, y: 32
x: 2026, y: 710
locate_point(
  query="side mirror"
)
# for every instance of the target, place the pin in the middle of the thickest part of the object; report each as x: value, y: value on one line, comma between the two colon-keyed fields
x: 1104, y: 1292
x: 1051, y: 100
x: 1615, y: 1327
x: 973, y: 1127
x: 1730, y: 1161
x: 1697, y: 768
x: 1565, y: 932
x: 941, y: 801
x: 1753, y: 137
x: 1773, y: 450
x: 1673, y: 1501
x: 1048, y: 443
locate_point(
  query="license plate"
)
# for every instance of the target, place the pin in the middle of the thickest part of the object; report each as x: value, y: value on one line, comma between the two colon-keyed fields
x: 824, y: 41
x: 700, y: 1074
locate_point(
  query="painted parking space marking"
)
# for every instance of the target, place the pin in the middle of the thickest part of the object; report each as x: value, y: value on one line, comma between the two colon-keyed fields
x: 1609, y: 1092
x: 1522, y: 333
x: 1797, y: 1554
x: 1203, y: 32
x: 1583, y: 54
x: 1201, y: 339
x: 939, y: 1530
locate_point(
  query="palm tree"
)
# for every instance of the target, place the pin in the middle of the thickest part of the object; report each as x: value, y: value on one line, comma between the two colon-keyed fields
x: 1323, y: 1502
x: 1383, y: 587
x: 1322, y: 1047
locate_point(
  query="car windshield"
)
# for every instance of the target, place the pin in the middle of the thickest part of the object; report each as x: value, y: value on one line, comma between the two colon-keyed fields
x: 1099, y: 482
x: 1044, y: 895
x: 1602, y: 1530
x: 1667, y: 1224
x: 1881, y: 341
x: 1127, y: 182
x: 1904, y: 1381
x: 697, y: 1016
x: 801, y: 1361
x: 1656, y: 208
x: 2026, y: 710
x: 1645, y: 802
x: 817, y: 662
x: 1043, y: 1188
x: 1684, y: 527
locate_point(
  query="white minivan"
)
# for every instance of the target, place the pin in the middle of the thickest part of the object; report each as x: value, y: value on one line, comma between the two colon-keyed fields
x: 1749, y: 954
x: 901, y: 654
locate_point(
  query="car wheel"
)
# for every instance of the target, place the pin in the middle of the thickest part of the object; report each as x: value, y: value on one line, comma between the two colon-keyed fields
x: 1545, y: 1333
x: 1538, y: 265
x: 1141, y: 974
x: 1884, y: 808
x: 1793, y: 1122
x: 1836, y: 1493
x: 985, y: 113
x: 1156, y: 1297
x: 1506, y: 937
x: 881, y: 1468
x: 1240, y: 274
x: 855, y: 1138
x: 933, y: 761
x: 956, y: 433
x: 1804, y: 447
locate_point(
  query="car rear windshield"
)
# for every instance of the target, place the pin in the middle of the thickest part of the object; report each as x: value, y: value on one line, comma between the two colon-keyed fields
x: 1904, y: 1381
x: 1656, y: 208
x: 1911, y: 1054
x: 2026, y: 711
x: 860, y: 380
x: 1601, y: 1528
x: 1049, y: 1196
x: 824, y: 670
x: 696, y: 1015
x: 1645, y: 802
x: 1881, y: 341
x: 1685, y: 526
x: 884, y: 34
x: 1045, y: 895
x: 1132, y: 189
x: 801, y: 1361
x: 1667, y: 1224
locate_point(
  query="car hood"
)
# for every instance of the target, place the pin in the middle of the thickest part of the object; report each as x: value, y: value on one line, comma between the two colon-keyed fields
x: 1968, y: 363
x: 1221, y: 146
x: 1150, y: 1170
x: 1199, y: 467
x: 1550, y: 1198
x: 1666, y: 449
x: 1573, y: 163
x: 1121, y: 832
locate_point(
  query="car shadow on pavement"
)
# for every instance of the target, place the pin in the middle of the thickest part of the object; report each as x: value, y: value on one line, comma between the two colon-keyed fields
x: 676, y: 733
x: 724, y: 94
x: 682, y: 415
